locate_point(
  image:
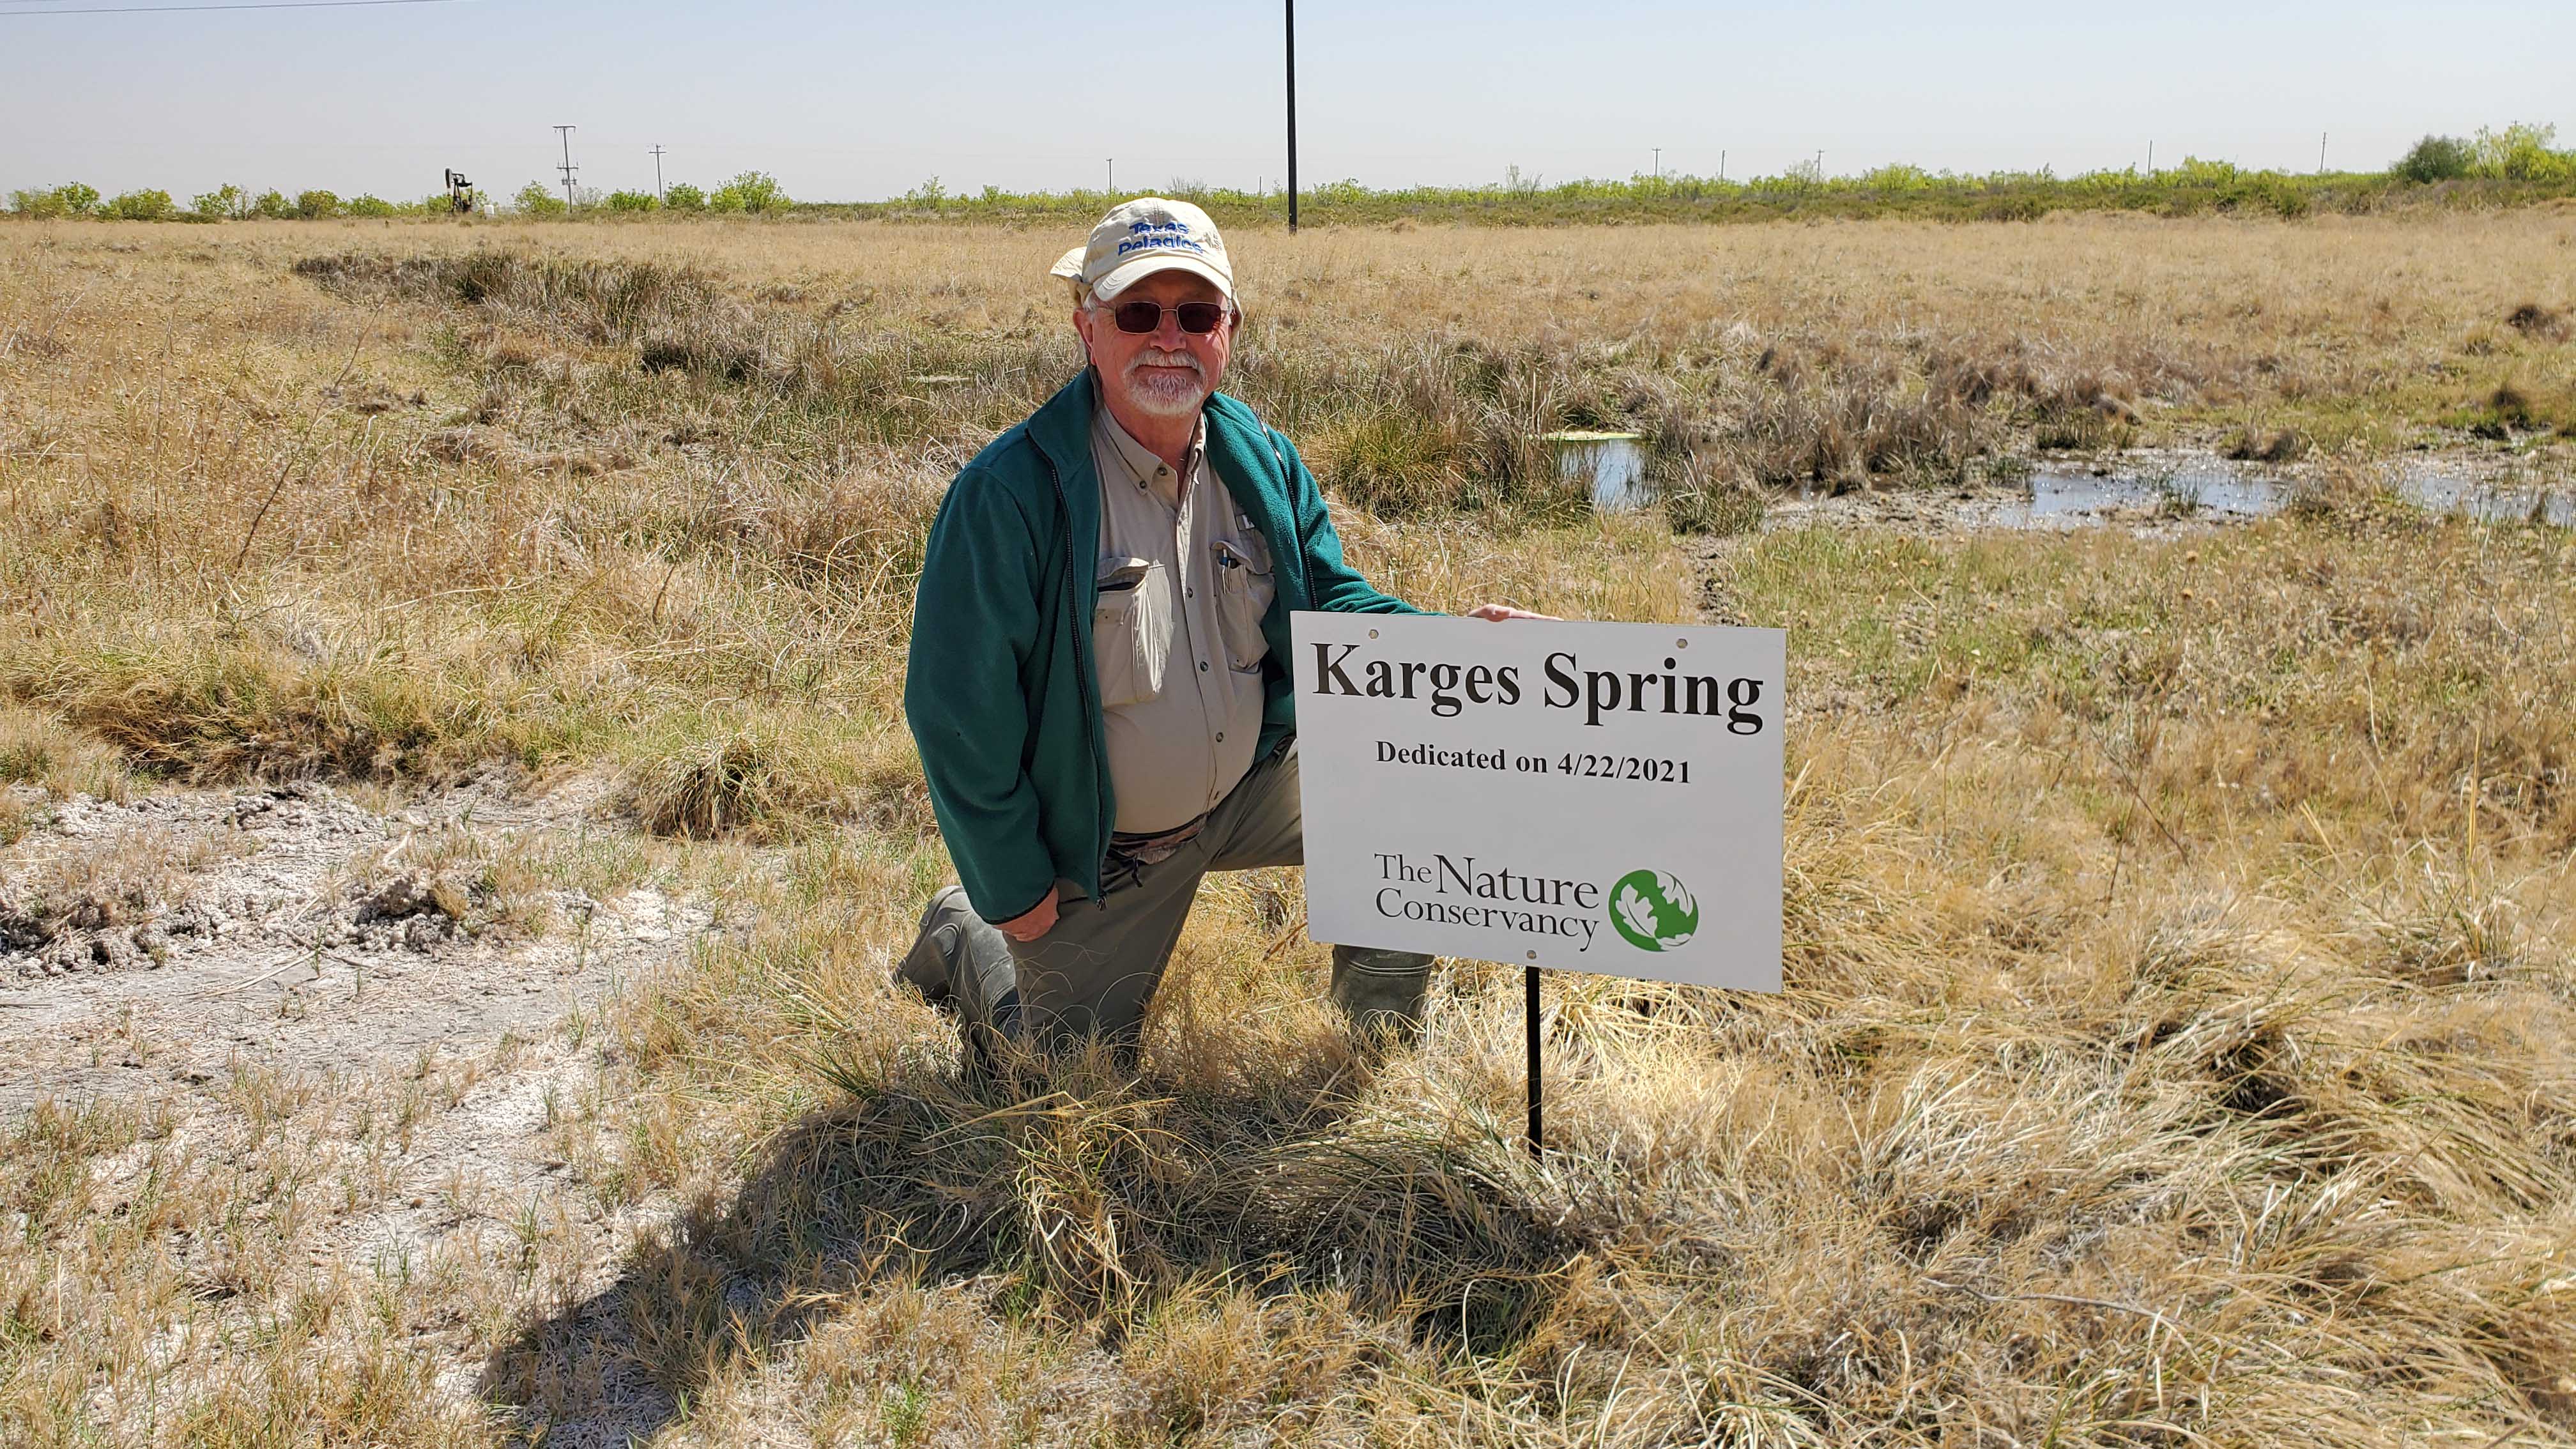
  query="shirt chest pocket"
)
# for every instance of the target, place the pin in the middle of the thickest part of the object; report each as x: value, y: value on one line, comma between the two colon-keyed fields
x: 1131, y: 630
x: 1244, y: 588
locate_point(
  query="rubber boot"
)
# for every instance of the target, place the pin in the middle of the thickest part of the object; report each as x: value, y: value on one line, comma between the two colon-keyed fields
x: 1381, y: 991
x: 931, y: 965
x: 958, y: 960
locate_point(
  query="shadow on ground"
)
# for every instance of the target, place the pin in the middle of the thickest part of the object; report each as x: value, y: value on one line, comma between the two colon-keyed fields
x: 1089, y: 1198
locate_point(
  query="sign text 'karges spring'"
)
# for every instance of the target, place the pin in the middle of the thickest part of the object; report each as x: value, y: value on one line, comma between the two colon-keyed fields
x: 1601, y: 797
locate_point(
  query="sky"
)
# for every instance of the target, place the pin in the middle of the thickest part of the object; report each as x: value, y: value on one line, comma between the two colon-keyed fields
x: 862, y: 101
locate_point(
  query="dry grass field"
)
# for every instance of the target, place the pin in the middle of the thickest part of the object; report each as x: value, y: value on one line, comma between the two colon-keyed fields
x: 2177, y: 1041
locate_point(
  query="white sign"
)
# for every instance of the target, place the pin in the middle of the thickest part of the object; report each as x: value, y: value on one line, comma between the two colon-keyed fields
x: 1596, y: 797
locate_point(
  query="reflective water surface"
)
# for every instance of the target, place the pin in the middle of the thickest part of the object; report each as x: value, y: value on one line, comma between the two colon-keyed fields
x: 1612, y: 468
x: 2062, y: 498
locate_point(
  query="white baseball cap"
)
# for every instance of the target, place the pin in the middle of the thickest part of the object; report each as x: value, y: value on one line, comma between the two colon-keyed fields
x: 1141, y: 237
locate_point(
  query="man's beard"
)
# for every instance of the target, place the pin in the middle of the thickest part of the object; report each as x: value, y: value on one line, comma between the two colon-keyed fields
x: 1160, y: 393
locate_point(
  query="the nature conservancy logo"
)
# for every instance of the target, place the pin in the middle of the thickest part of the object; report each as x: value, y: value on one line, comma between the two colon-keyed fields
x: 1650, y: 908
x: 1653, y: 910
x: 1463, y: 891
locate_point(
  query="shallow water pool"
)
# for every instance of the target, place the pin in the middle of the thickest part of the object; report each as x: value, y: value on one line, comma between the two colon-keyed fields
x: 2065, y: 499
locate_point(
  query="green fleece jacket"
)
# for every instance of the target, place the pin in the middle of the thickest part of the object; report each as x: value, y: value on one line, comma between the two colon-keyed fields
x: 1002, y: 695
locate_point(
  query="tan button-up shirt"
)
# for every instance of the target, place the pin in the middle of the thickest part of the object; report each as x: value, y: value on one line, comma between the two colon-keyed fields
x: 1184, y: 581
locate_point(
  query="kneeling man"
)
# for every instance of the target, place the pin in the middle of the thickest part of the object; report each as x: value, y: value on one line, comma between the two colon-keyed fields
x: 1100, y: 681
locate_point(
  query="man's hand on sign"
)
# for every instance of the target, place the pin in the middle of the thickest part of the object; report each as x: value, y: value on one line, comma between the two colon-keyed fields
x: 1032, y: 924
x: 1499, y: 612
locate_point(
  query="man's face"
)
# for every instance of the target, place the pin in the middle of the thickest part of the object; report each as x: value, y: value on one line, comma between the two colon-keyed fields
x: 1166, y: 372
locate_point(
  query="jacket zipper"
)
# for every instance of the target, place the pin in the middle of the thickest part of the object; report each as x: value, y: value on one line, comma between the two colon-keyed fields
x: 1089, y: 687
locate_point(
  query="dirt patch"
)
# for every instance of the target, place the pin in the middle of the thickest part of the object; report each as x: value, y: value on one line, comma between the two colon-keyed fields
x: 398, y: 997
x: 180, y: 935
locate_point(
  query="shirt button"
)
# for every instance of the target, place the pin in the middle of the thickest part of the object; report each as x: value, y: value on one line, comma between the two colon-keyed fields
x: 1202, y: 666
x: 1220, y: 737
x: 1189, y: 593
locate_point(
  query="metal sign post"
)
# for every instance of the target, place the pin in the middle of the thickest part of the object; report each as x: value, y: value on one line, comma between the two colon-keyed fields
x: 1529, y: 1017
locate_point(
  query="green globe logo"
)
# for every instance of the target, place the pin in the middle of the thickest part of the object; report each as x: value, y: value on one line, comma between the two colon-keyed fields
x: 1653, y: 910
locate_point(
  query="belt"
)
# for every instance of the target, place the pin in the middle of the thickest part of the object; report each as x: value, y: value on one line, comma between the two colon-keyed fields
x: 1156, y: 847
x: 1130, y: 851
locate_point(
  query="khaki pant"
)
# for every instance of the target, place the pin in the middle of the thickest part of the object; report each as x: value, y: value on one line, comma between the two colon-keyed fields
x: 1091, y: 976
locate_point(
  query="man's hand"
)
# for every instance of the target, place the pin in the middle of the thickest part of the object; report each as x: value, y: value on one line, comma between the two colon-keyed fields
x: 1499, y: 612
x: 1030, y: 925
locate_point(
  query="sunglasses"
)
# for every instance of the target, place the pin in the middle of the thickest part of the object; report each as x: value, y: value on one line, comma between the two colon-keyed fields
x: 1199, y: 318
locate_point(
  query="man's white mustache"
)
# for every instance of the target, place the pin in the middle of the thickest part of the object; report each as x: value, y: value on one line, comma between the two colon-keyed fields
x: 1152, y: 358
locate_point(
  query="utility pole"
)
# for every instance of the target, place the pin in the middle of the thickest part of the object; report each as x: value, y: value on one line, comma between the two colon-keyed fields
x: 567, y: 168
x: 1113, y: 176
x: 1721, y: 163
x: 2321, y: 153
x: 1659, y: 163
x: 1292, y: 116
x: 658, y: 193
x: 2151, y: 158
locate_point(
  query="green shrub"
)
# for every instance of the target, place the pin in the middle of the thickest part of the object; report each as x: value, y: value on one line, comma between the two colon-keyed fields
x: 272, y: 205
x: 684, y: 197
x: 752, y: 191
x: 2436, y: 158
x: 76, y: 199
x: 317, y: 204
x: 632, y: 201
x: 39, y: 204
x: 369, y: 204
x: 2195, y: 172
x: 225, y: 203
x: 534, y: 200
x: 143, y: 206
x: 1897, y: 177
x: 2521, y: 152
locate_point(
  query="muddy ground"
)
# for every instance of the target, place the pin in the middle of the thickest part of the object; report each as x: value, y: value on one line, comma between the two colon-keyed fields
x: 180, y: 935
x: 169, y: 949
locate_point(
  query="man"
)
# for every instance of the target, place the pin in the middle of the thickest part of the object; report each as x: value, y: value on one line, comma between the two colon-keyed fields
x: 1099, y: 682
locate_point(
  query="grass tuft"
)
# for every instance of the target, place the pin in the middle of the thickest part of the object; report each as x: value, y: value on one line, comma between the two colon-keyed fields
x: 737, y: 783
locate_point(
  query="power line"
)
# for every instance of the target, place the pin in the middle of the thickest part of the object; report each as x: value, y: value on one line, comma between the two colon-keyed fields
x: 252, y: 5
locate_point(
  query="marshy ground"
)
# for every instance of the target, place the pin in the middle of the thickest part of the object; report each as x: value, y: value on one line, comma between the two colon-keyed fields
x: 457, y: 822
